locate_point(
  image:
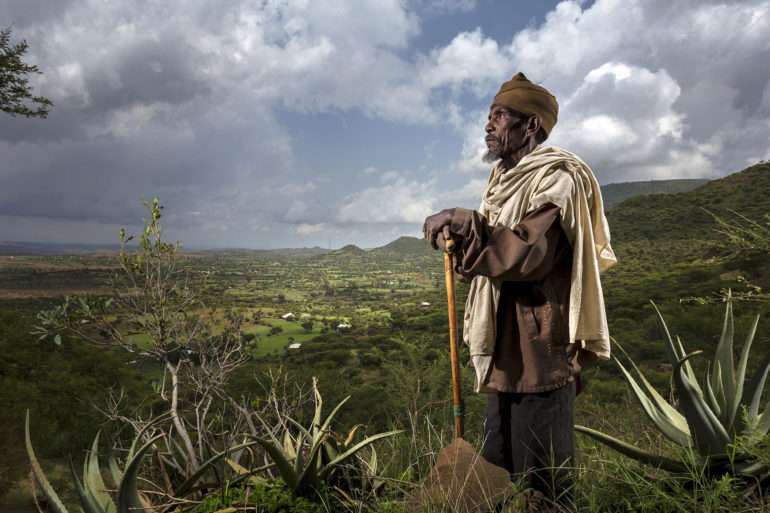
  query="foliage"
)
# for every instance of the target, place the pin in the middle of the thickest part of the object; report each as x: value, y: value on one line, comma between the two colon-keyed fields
x: 710, y: 418
x: 266, y: 497
x: 91, y: 488
x: 748, y: 241
x: 152, y: 296
x: 299, y: 456
x: 58, y: 381
x: 15, y: 90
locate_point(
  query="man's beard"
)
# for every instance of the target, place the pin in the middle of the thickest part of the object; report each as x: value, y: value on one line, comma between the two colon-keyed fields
x: 490, y: 156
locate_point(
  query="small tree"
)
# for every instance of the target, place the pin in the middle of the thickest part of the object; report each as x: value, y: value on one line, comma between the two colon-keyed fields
x: 15, y: 90
x: 151, y: 296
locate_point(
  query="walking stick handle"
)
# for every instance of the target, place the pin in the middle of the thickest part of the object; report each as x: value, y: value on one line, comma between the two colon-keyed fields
x: 454, y: 357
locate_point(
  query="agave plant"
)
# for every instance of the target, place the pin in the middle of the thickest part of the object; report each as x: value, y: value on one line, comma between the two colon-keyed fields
x: 91, y: 489
x: 363, y: 474
x: 308, y: 459
x: 709, y: 419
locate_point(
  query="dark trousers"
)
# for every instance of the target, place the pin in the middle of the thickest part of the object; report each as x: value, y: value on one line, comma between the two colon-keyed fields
x: 532, y: 436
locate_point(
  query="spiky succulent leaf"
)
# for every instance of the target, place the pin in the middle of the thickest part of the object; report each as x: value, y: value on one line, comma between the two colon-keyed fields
x: 284, y: 466
x: 55, y: 502
x: 327, y: 422
x: 129, y: 500
x: 671, y: 350
x: 244, y: 473
x: 724, y: 364
x: 309, y: 474
x: 752, y: 395
x: 751, y: 468
x: 372, y: 463
x: 763, y: 425
x: 288, y: 445
x: 316, y: 427
x: 115, y: 472
x: 709, y: 435
x: 351, y: 435
x: 655, y: 413
x: 87, y: 500
x: 331, y: 449
x: 718, y: 387
x: 299, y: 457
x: 632, y: 451
x: 92, y: 479
x: 672, y: 414
x: 740, y: 374
x: 710, y: 395
x: 187, y: 485
x: 675, y: 351
x: 353, y: 450
x: 687, y: 367
x: 302, y: 429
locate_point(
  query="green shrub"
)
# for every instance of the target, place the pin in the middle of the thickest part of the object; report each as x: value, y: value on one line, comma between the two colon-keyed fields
x: 267, y: 497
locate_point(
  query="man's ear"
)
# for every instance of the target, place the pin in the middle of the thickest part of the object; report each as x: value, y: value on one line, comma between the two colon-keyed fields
x: 533, y: 126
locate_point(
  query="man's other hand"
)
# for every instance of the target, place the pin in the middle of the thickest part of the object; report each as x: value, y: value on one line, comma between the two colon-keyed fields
x: 436, y: 228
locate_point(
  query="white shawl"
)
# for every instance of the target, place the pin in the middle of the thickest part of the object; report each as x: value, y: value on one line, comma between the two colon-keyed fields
x: 547, y: 174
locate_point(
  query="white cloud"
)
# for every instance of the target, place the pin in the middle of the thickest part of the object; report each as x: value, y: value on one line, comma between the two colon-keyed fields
x: 398, y: 202
x: 309, y: 229
x: 470, y: 61
x: 677, y: 81
x: 647, y: 88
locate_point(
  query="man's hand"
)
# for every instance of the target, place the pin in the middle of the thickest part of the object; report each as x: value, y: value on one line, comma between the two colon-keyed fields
x: 436, y: 229
x: 579, y: 359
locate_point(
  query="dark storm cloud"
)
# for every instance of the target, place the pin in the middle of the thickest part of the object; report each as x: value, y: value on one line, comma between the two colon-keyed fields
x: 21, y: 13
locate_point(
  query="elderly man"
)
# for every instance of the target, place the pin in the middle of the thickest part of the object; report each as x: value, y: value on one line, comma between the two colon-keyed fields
x: 534, y: 316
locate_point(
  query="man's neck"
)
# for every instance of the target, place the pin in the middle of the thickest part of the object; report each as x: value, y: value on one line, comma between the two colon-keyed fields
x: 513, y: 159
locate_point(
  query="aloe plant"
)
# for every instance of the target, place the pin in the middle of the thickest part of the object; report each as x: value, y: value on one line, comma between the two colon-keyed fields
x: 299, y: 457
x: 91, y: 489
x: 712, y: 418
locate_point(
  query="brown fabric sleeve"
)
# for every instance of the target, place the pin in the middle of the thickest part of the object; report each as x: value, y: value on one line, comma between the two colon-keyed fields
x: 525, y: 253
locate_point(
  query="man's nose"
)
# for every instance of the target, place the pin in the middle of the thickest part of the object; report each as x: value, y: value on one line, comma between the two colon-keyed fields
x: 488, y: 128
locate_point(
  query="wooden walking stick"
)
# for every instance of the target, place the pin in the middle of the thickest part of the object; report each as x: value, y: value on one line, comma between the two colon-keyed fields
x: 454, y: 357
x: 461, y: 480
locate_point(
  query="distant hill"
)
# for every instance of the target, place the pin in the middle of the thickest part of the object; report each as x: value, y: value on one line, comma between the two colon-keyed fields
x: 350, y: 249
x: 404, y: 246
x: 679, y: 216
x: 614, y: 193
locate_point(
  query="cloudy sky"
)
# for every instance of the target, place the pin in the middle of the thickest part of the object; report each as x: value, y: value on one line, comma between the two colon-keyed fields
x: 290, y: 123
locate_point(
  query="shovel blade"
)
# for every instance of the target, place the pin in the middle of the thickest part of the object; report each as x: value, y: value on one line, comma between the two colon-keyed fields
x: 462, y: 481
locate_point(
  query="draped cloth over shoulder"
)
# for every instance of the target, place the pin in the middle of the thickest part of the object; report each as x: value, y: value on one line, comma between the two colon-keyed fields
x: 547, y: 174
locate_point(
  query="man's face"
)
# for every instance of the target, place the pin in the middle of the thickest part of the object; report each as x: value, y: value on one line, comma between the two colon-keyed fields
x: 505, y: 132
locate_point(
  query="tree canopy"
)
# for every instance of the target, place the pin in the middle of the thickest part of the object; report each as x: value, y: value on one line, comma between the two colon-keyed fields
x: 16, y: 97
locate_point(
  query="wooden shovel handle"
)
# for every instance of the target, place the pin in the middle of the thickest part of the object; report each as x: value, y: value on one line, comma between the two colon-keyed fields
x: 454, y: 357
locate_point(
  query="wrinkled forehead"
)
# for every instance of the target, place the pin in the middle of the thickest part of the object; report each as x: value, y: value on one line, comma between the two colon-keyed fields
x: 496, y: 107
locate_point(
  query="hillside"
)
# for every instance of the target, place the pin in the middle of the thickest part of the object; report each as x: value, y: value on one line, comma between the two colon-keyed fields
x: 614, y: 193
x: 404, y: 246
x: 680, y: 216
x: 350, y: 250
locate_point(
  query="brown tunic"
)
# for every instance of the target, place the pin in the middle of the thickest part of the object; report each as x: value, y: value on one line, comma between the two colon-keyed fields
x: 534, y: 260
